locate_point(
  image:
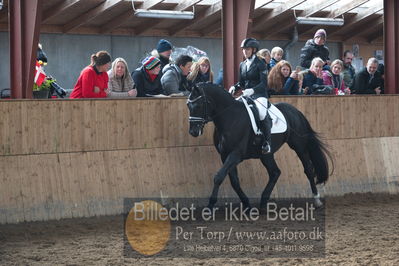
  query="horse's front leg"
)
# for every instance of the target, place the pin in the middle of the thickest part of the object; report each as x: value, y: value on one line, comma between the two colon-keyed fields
x: 232, y: 160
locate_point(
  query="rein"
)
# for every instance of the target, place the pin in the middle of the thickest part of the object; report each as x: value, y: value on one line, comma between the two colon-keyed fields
x: 207, y: 117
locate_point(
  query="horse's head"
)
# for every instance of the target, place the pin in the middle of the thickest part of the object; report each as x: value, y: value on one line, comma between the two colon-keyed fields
x: 199, y: 108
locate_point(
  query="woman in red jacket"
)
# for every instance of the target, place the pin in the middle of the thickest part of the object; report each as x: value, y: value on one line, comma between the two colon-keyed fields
x: 93, y: 80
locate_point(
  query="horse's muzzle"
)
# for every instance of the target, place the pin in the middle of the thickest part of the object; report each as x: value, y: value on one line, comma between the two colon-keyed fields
x: 196, y: 129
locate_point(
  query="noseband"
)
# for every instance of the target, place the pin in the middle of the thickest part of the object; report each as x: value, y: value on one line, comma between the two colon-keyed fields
x: 206, y: 117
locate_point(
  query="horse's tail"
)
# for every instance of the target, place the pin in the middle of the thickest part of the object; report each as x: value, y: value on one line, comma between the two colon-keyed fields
x: 319, y: 155
x: 318, y: 150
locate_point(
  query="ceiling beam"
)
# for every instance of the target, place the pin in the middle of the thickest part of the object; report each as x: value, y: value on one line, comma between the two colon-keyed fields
x: 346, y: 8
x: 317, y: 6
x: 274, y: 15
x: 314, y: 8
x: 147, y: 4
x: 183, y: 5
x: 262, y: 3
x: 118, y: 21
x: 376, y: 24
x: 376, y: 34
x: 210, y: 11
x: 59, y: 8
x: 359, y: 18
x: 147, y: 26
x: 91, y: 14
x: 339, y: 12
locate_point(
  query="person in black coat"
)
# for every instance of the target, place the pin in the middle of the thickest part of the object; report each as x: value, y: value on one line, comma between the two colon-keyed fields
x: 253, y: 81
x: 147, y: 78
x: 253, y: 71
x: 368, y: 80
x: 315, y: 48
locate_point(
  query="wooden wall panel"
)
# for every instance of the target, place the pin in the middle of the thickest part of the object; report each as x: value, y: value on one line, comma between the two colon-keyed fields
x: 36, y: 127
x: 85, y: 157
x: 84, y: 184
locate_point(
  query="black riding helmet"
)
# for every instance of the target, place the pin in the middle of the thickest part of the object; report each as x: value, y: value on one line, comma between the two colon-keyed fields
x: 250, y: 43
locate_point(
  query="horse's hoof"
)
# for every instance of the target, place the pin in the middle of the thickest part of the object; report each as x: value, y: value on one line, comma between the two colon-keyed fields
x: 318, y: 203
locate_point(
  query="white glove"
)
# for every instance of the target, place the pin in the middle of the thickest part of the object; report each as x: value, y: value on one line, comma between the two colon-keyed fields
x: 232, y: 90
x: 248, y: 92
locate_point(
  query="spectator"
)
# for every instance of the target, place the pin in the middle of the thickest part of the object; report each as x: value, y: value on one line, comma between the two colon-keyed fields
x: 368, y: 80
x: 148, y: 78
x: 93, y: 80
x: 163, y: 52
x: 282, y: 80
x: 315, y: 48
x: 219, y: 80
x: 313, y: 78
x: 201, y: 71
x: 120, y: 83
x: 348, y: 71
x: 264, y: 54
x: 301, y: 74
x: 277, y: 55
x: 335, y: 78
x: 174, y: 79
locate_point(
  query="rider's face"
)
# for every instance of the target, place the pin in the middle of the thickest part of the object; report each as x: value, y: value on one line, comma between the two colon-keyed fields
x: 247, y: 52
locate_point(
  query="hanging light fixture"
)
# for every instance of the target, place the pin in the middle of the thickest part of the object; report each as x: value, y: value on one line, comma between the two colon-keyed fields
x: 170, y: 14
x: 320, y: 21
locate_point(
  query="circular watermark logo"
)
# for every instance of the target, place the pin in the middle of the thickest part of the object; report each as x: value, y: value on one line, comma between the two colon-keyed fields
x: 146, y: 228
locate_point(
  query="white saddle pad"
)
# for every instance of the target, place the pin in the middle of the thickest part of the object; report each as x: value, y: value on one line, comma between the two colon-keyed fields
x: 279, y: 122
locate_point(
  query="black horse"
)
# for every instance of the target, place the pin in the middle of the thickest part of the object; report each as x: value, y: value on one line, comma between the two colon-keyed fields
x: 235, y: 140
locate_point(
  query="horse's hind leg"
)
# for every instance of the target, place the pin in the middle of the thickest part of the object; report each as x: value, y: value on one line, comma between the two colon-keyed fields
x: 235, y: 183
x: 274, y: 173
x: 310, y: 174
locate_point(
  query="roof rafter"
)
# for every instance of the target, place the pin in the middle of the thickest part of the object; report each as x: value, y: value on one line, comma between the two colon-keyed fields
x: 375, y: 35
x: 91, y: 14
x: 147, y: 4
x: 346, y: 8
x: 339, y: 12
x: 359, y: 18
x: 275, y: 14
x: 318, y: 6
x: 376, y: 25
x: 146, y: 26
x: 262, y: 3
x: 53, y: 11
x: 118, y: 21
x: 210, y: 11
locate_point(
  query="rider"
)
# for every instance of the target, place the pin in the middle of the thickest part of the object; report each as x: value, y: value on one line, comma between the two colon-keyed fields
x: 253, y: 79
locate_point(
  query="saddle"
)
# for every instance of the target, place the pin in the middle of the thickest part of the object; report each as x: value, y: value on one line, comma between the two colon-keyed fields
x: 279, y: 123
x: 254, y: 109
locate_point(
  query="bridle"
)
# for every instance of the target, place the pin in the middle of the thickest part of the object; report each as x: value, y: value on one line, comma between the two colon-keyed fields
x: 206, y: 116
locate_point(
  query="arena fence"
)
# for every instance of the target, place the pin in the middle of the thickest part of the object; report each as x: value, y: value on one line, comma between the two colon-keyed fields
x: 80, y: 158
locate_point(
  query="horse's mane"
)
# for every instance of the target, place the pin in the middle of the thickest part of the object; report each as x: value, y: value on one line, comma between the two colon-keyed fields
x: 214, y: 89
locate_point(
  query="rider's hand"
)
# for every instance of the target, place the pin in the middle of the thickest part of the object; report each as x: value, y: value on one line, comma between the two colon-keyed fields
x: 96, y: 89
x: 232, y: 90
x: 247, y: 92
